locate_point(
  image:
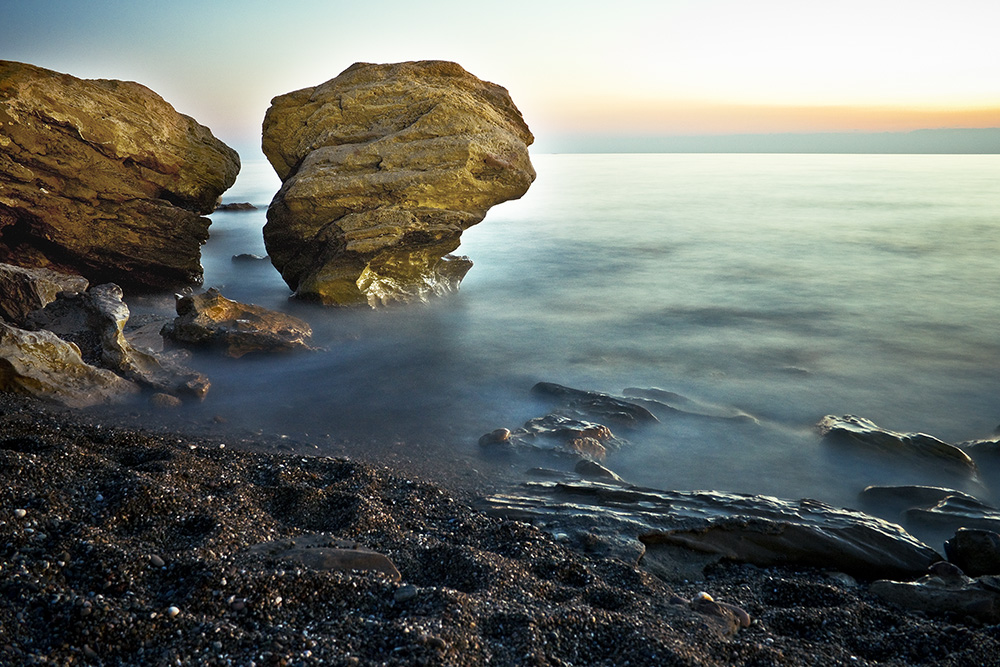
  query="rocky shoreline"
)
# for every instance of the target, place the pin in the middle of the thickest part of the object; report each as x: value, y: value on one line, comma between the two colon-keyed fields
x: 124, y: 546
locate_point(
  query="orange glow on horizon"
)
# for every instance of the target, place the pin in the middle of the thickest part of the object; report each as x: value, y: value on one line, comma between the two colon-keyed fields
x: 687, y: 118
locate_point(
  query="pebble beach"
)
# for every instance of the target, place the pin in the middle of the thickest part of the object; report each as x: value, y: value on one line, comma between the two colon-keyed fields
x: 122, y: 546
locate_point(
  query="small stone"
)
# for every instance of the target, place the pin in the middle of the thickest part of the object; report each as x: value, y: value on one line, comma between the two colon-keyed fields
x: 156, y: 561
x: 496, y: 437
x: 405, y: 593
x: 172, y: 611
x: 20, y: 513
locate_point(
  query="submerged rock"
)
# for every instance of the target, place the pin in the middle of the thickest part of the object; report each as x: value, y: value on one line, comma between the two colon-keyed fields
x: 105, y: 179
x: 40, y: 364
x: 596, y: 404
x: 212, y: 320
x: 917, y: 446
x: 667, y: 403
x: 382, y: 170
x: 759, y: 530
x: 23, y: 290
x: 236, y: 206
x: 95, y: 322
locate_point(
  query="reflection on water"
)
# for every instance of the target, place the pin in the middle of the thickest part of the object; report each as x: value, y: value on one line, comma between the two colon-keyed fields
x: 788, y: 286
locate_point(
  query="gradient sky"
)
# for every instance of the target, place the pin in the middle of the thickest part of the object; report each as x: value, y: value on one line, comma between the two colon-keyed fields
x: 663, y: 67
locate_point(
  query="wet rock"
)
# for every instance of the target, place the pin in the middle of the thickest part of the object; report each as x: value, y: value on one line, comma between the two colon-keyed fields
x: 236, y: 206
x: 323, y: 552
x: 23, y: 290
x: 248, y: 258
x: 974, y: 550
x: 559, y: 434
x: 593, y: 470
x: 667, y: 403
x: 945, y: 593
x: 916, y: 446
x: 105, y: 179
x: 595, y: 404
x: 95, y: 321
x: 382, y: 170
x: 212, y: 320
x: 896, y: 499
x: 956, y: 511
x: 759, y: 530
x: 40, y: 364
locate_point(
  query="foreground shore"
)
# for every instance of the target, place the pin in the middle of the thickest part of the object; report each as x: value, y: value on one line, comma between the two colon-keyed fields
x: 121, y: 546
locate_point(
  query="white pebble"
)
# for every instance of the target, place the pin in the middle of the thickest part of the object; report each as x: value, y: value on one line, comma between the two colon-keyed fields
x: 20, y: 513
x: 705, y: 596
x: 172, y: 611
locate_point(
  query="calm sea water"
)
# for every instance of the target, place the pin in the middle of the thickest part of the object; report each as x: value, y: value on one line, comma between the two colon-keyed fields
x: 787, y: 286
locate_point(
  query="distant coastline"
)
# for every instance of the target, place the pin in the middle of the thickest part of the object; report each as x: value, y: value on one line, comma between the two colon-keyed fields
x: 931, y: 141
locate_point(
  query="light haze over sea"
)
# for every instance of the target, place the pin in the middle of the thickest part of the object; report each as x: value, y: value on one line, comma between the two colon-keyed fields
x: 786, y: 286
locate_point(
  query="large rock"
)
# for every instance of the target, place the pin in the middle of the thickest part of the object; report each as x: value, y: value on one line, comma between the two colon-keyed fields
x: 382, y: 169
x: 95, y: 322
x: 24, y: 290
x: 212, y: 320
x: 40, y: 364
x: 946, y: 591
x: 105, y: 179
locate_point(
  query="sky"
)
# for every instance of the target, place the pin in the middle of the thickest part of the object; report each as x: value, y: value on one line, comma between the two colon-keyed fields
x: 576, y: 69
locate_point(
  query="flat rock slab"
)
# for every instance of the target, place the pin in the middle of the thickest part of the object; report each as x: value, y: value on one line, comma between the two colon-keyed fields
x: 382, y: 169
x: 760, y: 530
x: 105, y: 179
x: 977, y: 598
x: 324, y: 552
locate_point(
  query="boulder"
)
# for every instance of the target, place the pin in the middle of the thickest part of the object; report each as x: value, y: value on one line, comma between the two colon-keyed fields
x: 23, y: 290
x: 917, y: 447
x: 675, y: 528
x: 212, y: 320
x: 105, y: 179
x: 40, y: 364
x: 974, y: 550
x: 95, y: 322
x: 382, y: 169
x: 236, y: 206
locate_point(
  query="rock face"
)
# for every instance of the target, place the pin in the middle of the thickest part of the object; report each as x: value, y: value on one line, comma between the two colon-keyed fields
x: 212, y: 320
x: 104, y: 179
x: 40, y: 364
x: 95, y: 322
x: 382, y: 169
x: 24, y: 290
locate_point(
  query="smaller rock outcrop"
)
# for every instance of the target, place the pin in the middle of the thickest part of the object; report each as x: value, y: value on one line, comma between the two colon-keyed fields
x: 382, y: 169
x: 325, y: 552
x: 40, y: 364
x: 917, y: 447
x: 211, y: 320
x: 23, y: 290
x: 95, y: 322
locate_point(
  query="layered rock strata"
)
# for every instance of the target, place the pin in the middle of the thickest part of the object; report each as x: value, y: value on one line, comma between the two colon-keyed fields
x: 104, y: 179
x: 382, y: 170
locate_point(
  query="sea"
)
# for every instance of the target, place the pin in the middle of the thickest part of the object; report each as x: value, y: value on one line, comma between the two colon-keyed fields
x: 782, y: 287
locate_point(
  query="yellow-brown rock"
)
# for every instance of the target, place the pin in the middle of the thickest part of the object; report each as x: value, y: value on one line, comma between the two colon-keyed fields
x: 382, y: 169
x: 104, y: 179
